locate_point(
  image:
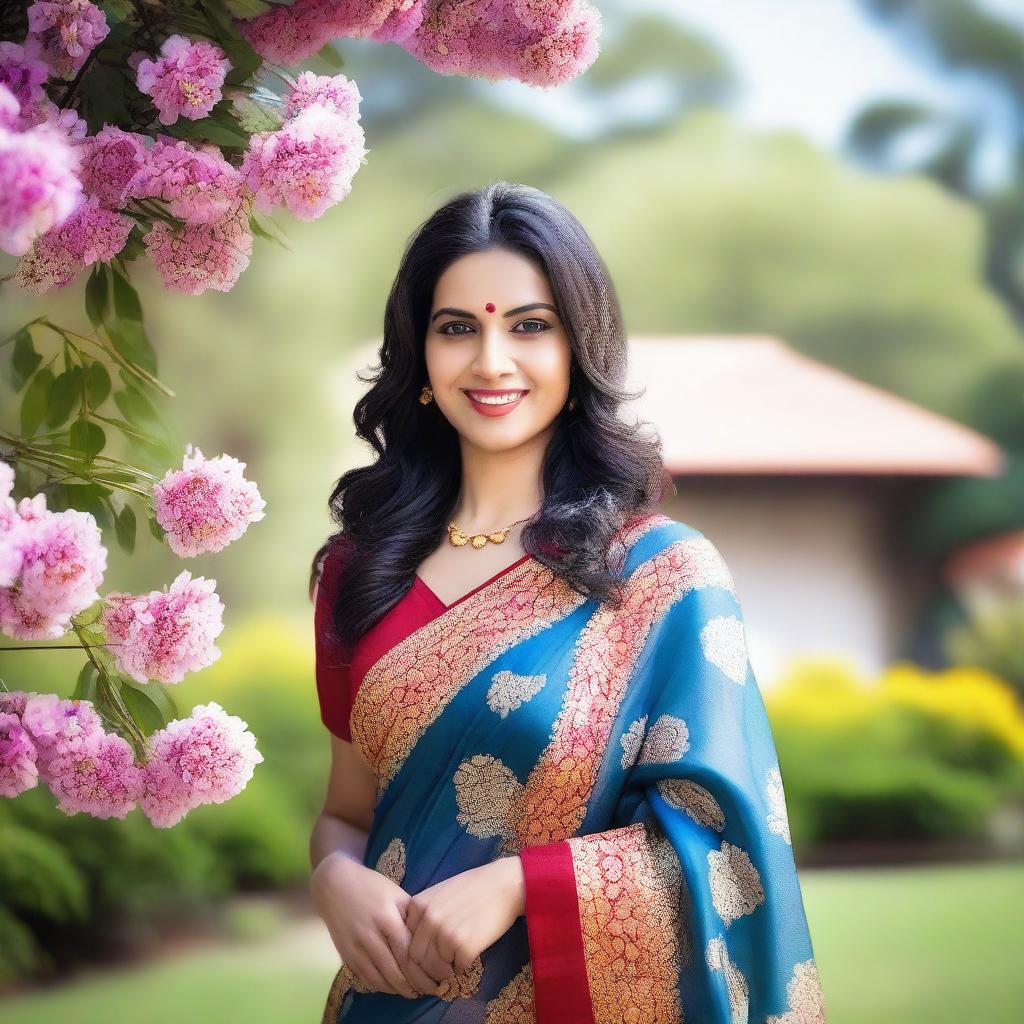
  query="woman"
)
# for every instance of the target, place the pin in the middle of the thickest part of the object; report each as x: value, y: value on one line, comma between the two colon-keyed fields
x: 554, y: 793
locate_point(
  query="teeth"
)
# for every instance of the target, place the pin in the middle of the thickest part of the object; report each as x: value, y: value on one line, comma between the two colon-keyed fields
x: 497, y: 399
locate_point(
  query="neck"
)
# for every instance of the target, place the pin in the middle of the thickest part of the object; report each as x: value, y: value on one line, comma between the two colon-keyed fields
x: 501, y: 487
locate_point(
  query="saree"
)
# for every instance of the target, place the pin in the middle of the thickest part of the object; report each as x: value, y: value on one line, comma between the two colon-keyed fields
x: 625, y: 756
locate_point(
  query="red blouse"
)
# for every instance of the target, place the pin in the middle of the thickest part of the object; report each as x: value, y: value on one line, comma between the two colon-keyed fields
x: 337, y: 682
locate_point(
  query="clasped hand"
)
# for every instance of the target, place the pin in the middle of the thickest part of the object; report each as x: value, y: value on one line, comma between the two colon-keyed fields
x: 408, y: 945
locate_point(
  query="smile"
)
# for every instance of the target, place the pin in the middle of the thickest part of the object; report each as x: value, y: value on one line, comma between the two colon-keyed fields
x: 492, y: 403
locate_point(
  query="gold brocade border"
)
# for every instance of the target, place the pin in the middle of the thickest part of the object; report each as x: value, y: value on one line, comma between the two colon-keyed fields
x: 633, y: 905
x: 409, y: 686
x: 553, y: 801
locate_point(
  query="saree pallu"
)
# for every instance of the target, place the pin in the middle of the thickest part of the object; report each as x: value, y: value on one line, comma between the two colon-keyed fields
x: 626, y: 757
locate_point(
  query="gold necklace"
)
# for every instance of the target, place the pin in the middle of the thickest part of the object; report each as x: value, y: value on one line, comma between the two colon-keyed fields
x: 478, y: 540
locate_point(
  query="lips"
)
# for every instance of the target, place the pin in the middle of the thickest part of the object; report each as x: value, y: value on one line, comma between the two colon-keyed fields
x: 501, y: 409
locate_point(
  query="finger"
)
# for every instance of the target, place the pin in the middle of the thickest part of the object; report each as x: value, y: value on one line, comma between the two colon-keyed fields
x: 384, y: 961
x: 363, y: 968
x: 421, y: 937
x: 398, y: 939
x: 435, y: 963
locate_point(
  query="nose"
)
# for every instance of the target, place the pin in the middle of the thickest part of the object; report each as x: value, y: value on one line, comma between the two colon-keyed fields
x: 493, y: 358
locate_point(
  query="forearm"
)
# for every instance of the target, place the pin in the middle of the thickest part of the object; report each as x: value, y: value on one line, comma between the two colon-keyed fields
x: 333, y: 834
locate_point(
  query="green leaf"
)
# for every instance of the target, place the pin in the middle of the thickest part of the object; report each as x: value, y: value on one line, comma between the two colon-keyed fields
x: 247, y: 8
x: 159, y: 694
x: 330, y: 56
x: 142, y: 706
x: 33, y: 405
x: 25, y: 359
x: 89, y: 498
x: 258, y: 229
x: 97, y: 383
x: 126, y: 299
x: 124, y: 529
x: 97, y: 295
x: 61, y: 398
x: 156, y: 529
x: 87, y: 438
x: 85, y: 686
x: 129, y: 338
x: 137, y: 409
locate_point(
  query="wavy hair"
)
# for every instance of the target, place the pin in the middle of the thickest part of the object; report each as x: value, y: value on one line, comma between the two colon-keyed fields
x: 599, y: 471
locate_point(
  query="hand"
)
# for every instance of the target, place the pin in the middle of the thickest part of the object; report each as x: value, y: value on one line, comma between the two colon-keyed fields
x: 453, y: 921
x: 364, y: 910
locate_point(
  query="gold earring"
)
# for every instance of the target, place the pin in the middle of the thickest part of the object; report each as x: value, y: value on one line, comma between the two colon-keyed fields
x: 426, y: 395
x: 572, y: 404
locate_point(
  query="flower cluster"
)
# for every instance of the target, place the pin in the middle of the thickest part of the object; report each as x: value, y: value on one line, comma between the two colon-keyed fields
x: 206, y: 504
x: 38, y: 184
x: 50, y: 564
x: 540, y: 42
x: 165, y: 633
x: 193, y: 201
x: 206, y: 758
x: 67, y: 31
x: 308, y: 164
x: 185, y: 80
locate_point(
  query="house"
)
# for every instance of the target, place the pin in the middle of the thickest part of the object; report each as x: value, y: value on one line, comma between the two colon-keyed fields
x: 803, y: 477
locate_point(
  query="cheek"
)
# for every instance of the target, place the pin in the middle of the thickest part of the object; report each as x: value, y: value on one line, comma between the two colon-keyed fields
x: 549, y: 367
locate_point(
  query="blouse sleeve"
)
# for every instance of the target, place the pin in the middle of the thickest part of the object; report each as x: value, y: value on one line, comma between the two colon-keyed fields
x: 690, y: 909
x: 332, y: 668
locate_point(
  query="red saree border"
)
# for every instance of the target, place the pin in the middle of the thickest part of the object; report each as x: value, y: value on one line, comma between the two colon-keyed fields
x: 561, y: 992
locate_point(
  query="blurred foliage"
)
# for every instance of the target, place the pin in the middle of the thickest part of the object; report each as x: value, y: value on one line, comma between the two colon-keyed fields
x: 992, y: 640
x: 73, y: 887
x: 968, y: 38
x: 913, y: 756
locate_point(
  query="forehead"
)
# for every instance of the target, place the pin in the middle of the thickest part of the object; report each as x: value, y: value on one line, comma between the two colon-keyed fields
x: 495, y: 275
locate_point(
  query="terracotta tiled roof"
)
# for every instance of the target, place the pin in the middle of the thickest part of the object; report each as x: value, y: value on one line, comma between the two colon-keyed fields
x: 752, y: 404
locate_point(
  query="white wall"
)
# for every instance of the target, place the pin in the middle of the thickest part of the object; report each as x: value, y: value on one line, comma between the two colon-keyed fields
x: 816, y: 568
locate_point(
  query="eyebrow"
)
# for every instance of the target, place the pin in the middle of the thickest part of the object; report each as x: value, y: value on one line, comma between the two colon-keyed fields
x: 452, y: 311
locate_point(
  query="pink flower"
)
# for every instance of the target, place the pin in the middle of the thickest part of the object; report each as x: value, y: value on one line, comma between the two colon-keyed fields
x: 14, y: 701
x: 90, y: 235
x: 96, y: 774
x: 198, y: 257
x: 204, y: 759
x: 287, y: 35
x: 18, y: 770
x: 110, y: 160
x: 185, y: 80
x: 338, y: 93
x: 38, y: 185
x: 206, y: 504
x: 53, y: 722
x: 307, y: 165
x: 61, y: 561
x: 164, y: 634
x: 10, y: 110
x: 199, y: 185
x: 23, y: 72
x: 69, y: 30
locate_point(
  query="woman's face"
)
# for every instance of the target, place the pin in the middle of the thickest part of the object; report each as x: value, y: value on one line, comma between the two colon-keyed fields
x: 494, y: 330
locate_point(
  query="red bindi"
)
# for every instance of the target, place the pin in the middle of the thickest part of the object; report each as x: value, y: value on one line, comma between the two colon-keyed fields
x: 489, y: 307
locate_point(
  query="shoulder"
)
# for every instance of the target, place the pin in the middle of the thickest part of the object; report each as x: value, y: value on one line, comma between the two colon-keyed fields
x: 680, y: 551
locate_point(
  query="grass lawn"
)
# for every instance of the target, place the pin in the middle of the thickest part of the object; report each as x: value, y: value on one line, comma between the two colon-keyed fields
x: 894, y: 946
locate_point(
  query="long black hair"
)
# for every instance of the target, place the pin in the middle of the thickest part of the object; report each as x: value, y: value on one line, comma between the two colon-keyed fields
x: 598, y: 471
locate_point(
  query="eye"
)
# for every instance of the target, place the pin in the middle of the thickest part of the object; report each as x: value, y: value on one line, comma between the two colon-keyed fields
x: 454, y: 323
x: 543, y: 326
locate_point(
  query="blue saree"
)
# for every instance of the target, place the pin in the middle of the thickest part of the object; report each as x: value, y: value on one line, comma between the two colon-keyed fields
x: 625, y: 756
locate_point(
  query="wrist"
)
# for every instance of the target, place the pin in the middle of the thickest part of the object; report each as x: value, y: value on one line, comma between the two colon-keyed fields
x: 512, y: 868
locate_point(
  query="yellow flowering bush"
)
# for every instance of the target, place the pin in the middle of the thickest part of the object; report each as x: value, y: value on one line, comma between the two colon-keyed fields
x: 913, y: 754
